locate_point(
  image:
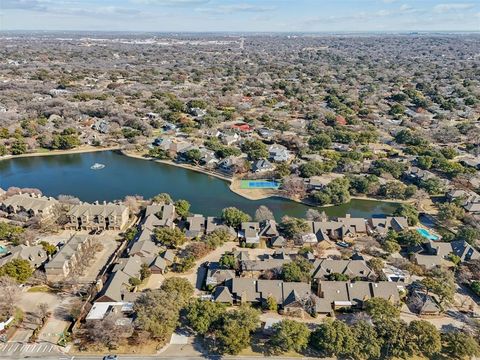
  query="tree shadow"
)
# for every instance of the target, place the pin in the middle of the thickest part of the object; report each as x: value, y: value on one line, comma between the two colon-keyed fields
x: 62, y: 313
x: 206, y: 348
x: 201, y: 275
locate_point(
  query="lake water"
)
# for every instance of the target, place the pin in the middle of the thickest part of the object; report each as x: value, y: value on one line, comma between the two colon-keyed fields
x: 71, y: 174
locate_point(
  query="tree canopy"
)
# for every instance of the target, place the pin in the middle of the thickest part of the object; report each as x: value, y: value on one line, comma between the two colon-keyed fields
x: 234, y: 217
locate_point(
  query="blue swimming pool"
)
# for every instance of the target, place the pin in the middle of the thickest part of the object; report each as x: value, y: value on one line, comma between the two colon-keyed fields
x: 3, y: 249
x: 427, y: 235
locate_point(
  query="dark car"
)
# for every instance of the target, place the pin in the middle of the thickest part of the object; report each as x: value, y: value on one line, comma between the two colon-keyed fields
x: 110, y: 357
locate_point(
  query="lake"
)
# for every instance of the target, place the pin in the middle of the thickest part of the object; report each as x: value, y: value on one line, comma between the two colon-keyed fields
x: 71, y: 174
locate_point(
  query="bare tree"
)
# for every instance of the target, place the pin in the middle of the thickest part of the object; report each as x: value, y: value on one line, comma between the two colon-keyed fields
x: 133, y: 203
x: 43, y: 311
x: 263, y: 213
x: 294, y: 187
x: 9, y: 295
x: 315, y: 215
x: 107, y: 332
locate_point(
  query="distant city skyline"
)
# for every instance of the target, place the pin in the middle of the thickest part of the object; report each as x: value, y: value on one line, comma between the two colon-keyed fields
x: 240, y: 16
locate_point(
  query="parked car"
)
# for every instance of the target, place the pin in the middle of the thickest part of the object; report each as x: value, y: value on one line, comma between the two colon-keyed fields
x: 110, y: 357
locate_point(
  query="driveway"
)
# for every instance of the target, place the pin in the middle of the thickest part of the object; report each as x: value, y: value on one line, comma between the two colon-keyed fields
x: 109, y: 245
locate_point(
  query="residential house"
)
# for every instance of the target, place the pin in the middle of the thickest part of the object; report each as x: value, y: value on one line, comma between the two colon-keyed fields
x: 241, y: 255
x: 97, y: 217
x: 335, y: 295
x: 381, y: 226
x: 262, y: 165
x: 243, y: 127
x: 101, y: 126
x: 208, y: 157
x: 396, y: 275
x: 35, y: 255
x: 294, y: 298
x: 278, y: 242
x: 172, y: 146
x: 255, y: 268
x: 117, y: 290
x: 229, y: 164
x: 195, y: 226
x: 100, y: 310
x: 130, y: 265
x: 471, y: 162
x: 198, y: 112
x: 316, y: 183
x: 152, y: 115
x: 421, y: 303
x: 217, y: 276
x: 416, y: 175
x: 144, y: 248
x: 182, y: 154
x: 268, y: 229
x: 279, y: 153
x: 133, y: 264
x: 354, y: 269
x: 308, y: 239
x: 169, y: 127
x: 342, y: 228
x: 223, y: 295
x: 29, y: 205
x: 213, y: 223
x: 249, y: 232
x: 265, y: 133
x: 159, y: 265
x: 469, y: 200
x: 436, y: 253
x: 229, y: 139
x: 67, y: 259
x: 159, y: 215
x: 169, y: 256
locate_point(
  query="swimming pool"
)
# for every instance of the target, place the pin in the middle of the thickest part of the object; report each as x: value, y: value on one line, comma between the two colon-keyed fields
x: 426, y: 234
x: 259, y: 184
x: 3, y: 249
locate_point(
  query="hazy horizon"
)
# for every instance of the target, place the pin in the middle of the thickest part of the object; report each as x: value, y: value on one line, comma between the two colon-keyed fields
x: 247, y: 16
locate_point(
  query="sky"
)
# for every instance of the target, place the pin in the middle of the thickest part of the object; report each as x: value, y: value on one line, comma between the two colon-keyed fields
x: 241, y: 15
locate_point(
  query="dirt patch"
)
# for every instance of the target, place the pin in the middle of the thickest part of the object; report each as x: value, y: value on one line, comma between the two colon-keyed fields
x: 252, y: 194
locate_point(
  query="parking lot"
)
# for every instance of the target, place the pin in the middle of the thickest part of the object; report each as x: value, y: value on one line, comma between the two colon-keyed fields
x: 108, y: 244
x: 14, y: 348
